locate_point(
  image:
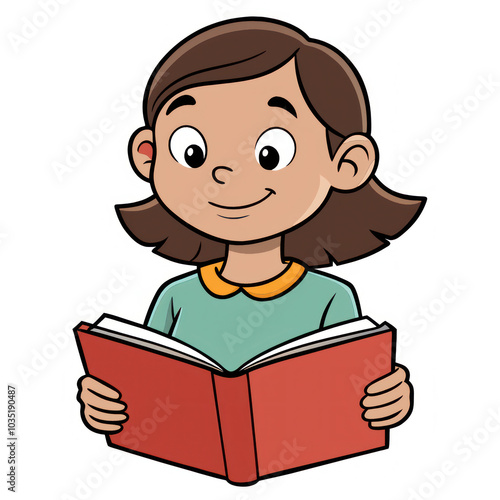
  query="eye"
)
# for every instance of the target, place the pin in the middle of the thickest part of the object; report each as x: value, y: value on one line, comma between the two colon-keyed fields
x: 275, y: 149
x: 188, y: 147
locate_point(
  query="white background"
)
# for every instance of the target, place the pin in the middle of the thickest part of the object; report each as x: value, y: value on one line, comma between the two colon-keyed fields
x: 61, y: 242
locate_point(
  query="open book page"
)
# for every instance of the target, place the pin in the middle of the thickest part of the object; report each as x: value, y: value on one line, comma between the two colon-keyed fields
x: 118, y: 329
x: 140, y: 336
x: 327, y: 336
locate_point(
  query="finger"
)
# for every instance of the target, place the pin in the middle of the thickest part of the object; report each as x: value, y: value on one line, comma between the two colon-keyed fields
x: 103, y: 404
x: 385, y: 412
x: 100, y: 388
x: 95, y: 415
x: 386, y: 398
x: 388, y: 382
x: 103, y: 428
x: 391, y: 422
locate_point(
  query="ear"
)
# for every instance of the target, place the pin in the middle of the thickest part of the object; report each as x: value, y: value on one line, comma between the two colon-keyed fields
x: 141, y: 152
x: 355, y: 161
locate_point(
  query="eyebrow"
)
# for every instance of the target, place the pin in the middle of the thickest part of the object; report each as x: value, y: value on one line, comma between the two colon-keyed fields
x: 281, y: 102
x: 183, y: 100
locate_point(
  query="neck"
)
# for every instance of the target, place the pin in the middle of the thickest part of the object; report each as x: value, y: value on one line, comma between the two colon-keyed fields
x: 253, y: 262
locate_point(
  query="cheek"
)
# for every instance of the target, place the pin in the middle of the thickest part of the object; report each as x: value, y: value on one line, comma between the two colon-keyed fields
x: 301, y: 191
x: 301, y: 180
x: 312, y: 196
x: 183, y: 191
x: 172, y: 182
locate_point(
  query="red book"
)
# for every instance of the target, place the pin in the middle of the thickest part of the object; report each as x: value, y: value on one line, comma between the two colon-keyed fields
x: 290, y: 408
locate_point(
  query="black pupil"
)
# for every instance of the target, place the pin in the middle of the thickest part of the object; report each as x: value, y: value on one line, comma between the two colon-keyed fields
x: 194, y: 156
x: 269, y: 158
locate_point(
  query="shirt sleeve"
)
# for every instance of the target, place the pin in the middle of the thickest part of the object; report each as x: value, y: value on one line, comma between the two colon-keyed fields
x: 343, y: 306
x: 161, y: 314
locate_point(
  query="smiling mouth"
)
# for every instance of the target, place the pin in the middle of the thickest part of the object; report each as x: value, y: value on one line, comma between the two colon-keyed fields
x: 239, y: 207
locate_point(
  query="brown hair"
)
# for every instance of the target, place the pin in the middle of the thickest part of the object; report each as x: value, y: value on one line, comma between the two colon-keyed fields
x: 349, y: 225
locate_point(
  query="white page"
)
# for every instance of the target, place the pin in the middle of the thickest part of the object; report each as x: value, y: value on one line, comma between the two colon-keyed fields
x: 150, y: 336
x: 364, y: 323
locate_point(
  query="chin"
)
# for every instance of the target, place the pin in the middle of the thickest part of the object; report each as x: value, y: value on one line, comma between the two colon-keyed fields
x: 236, y: 231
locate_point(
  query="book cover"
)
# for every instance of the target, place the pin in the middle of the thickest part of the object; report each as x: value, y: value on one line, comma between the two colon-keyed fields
x: 293, y: 407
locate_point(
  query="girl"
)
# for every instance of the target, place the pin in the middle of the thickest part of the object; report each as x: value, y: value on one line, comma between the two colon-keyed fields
x: 258, y: 151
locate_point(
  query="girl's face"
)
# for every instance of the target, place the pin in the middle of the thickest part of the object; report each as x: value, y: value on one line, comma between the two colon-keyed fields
x: 244, y: 161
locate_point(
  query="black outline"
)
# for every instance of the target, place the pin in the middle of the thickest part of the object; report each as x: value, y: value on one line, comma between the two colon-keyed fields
x: 382, y: 405
x: 139, y: 147
x: 411, y: 394
x: 382, y: 329
x: 281, y: 102
x: 255, y: 453
x: 109, y: 422
x: 374, y: 169
x: 125, y: 341
x: 220, y: 167
x: 79, y: 386
x: 212, y: 375
x: 261, y: 19
x: 160, y: 291
x: 200, y: 71
x: 321, y: 348
x: 233, y: 218
x: 378, y: 330
x: 244, y: 374
x: 265, y: 476
x: 183, y: 100
x: 294, y: 147
x: 241, y: 287
x: 107, y: 411
x: 241, y: 207
x: 343, y: 160
x: 384, y: 239
x: 172, y: 154
x: 325, y: 312
x: 130, y: 151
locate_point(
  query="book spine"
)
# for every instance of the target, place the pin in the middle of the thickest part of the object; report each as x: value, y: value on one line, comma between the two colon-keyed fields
x: 234, y: 407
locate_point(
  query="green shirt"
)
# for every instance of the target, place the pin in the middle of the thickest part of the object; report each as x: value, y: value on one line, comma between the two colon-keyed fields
x: 233, y: 324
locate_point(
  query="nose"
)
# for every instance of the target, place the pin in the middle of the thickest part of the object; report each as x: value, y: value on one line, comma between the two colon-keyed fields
x: 218, y: 174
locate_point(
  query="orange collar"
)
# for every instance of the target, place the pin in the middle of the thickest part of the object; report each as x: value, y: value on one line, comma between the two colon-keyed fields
x: 217, y: 285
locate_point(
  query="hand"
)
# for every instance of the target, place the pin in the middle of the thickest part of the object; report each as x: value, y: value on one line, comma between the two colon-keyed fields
x: 102, y: 410
x: 389, y: 399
